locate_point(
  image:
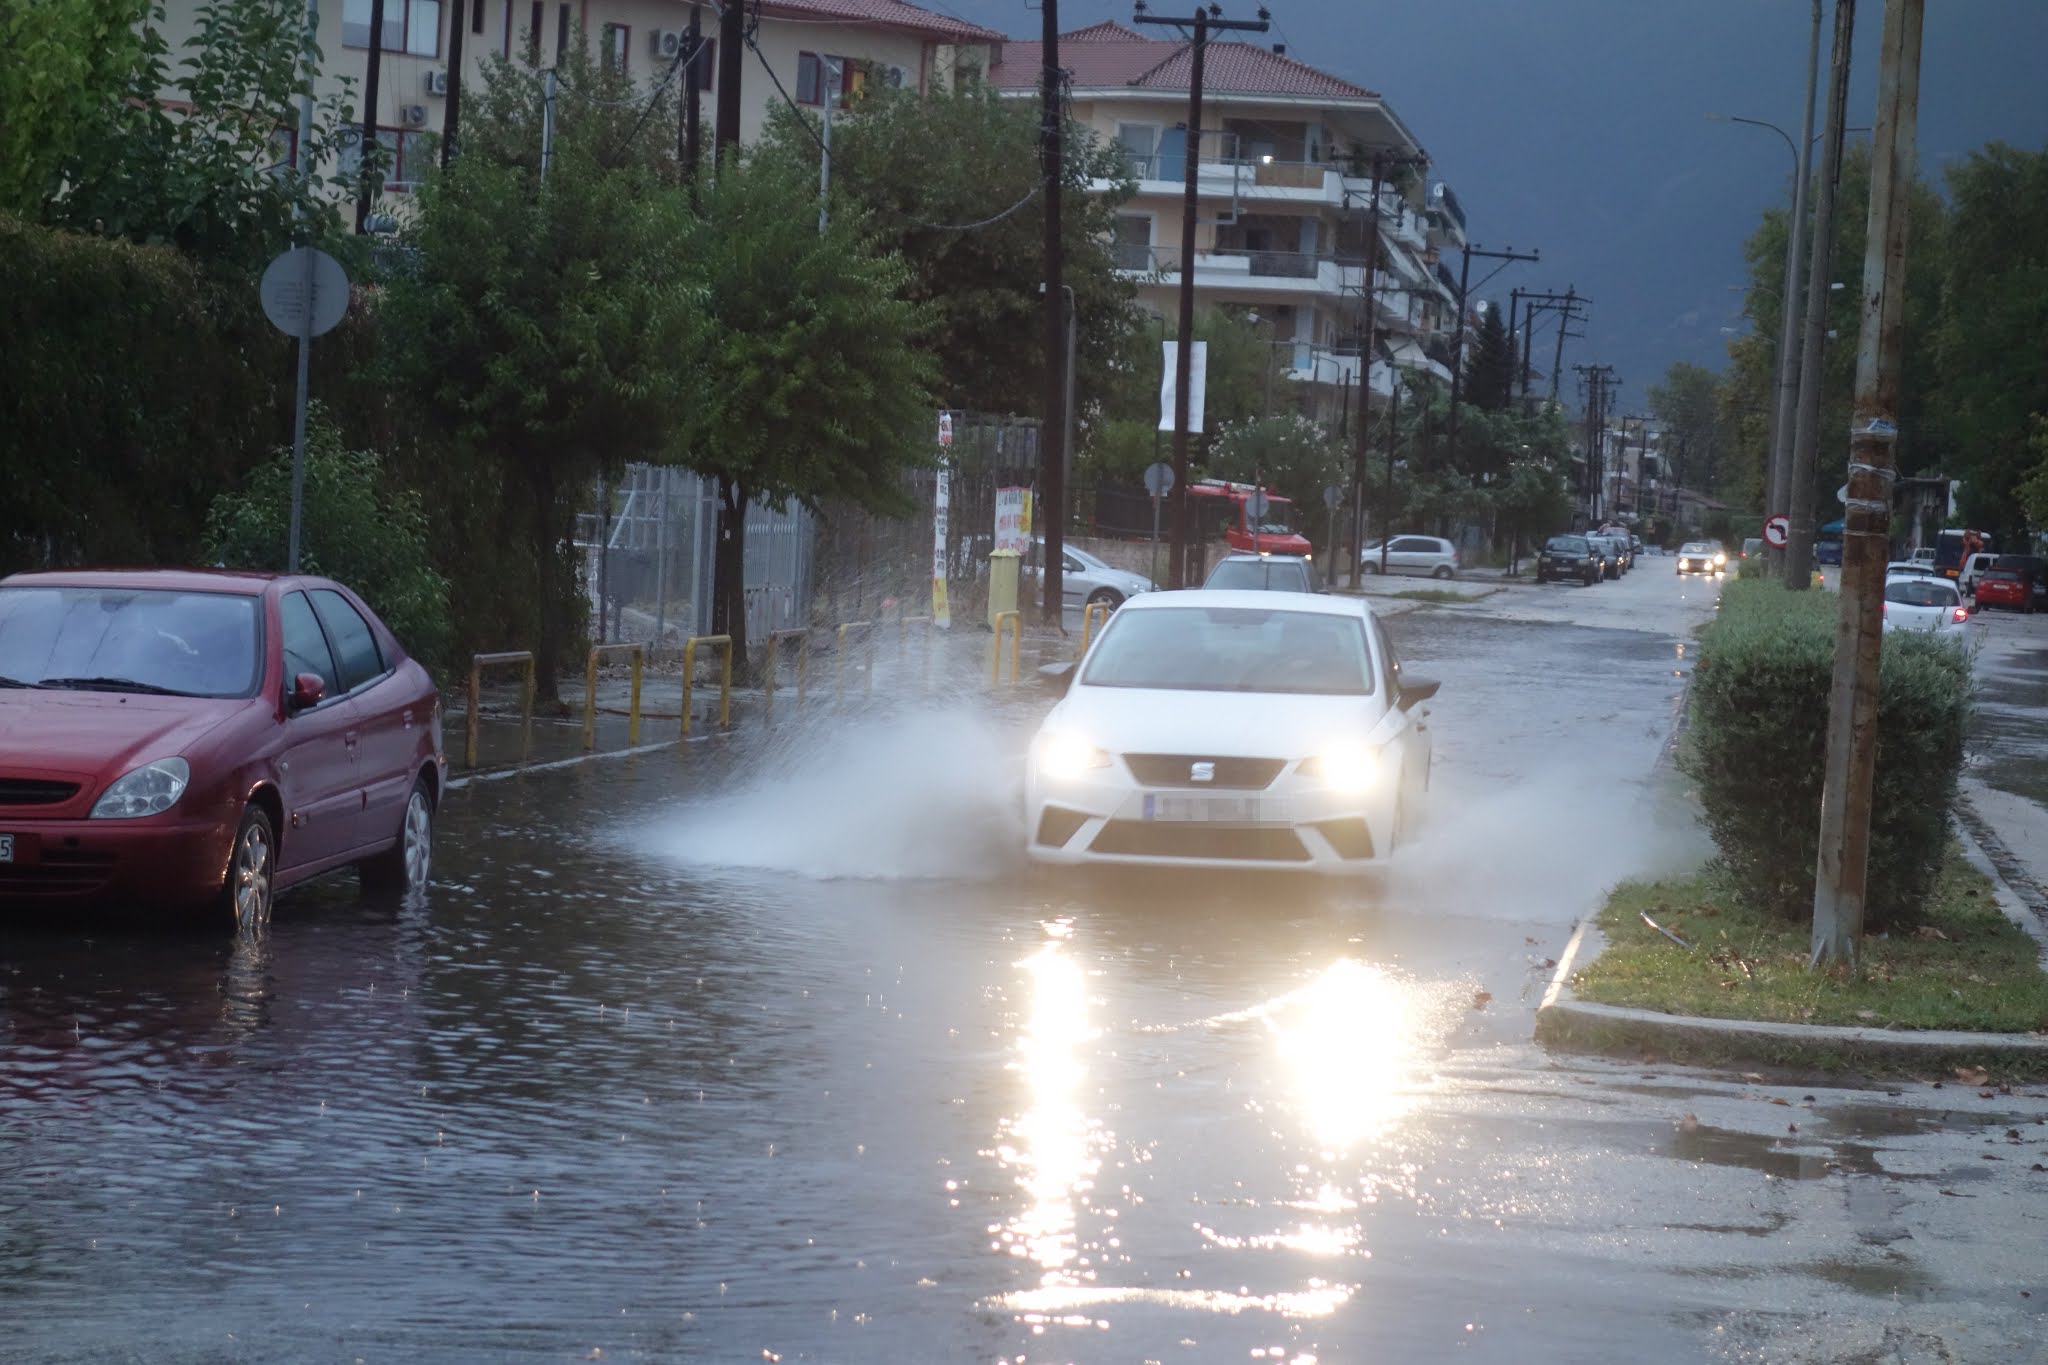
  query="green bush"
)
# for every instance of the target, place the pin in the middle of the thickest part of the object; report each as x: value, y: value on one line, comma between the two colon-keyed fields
x: 355, y: 530
x: 1758, y: 740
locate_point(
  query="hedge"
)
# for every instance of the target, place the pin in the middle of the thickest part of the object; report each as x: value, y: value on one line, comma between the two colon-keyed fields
x: 1758, y: 740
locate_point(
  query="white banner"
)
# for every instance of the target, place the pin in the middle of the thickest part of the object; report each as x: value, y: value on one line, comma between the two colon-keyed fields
x: 1198, y: 383
x: 942, y: 495
x: 1013, y: 519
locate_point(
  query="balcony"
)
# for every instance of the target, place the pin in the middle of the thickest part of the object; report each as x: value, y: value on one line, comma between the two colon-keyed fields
x: 1284, y: 272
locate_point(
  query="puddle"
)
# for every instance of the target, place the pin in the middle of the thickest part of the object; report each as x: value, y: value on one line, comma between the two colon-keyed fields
x: 1774, y: 1156
x: 1884, y: 1120
x: 1772, y: 1225
x: 1893, y: 1277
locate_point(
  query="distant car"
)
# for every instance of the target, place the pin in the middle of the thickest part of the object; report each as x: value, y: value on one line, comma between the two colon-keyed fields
x: 1605, y: 549
x: 1923, y: 602
x: 1623, y: 544
x: 1085, y: 579
x: 2032, y: 568
x: 1564, y: 557
x: 1431, y: 555
x: 1232, y: 730
x: 1266, y: 573
x: 1701, y: 556
x: 1828, y: 552
x: 1972, y: 570
x: 2004, y: 588
x: 1752, y: 547
x: 187, y: 739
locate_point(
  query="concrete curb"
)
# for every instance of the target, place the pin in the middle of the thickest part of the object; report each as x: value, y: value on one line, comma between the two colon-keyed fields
x: 1566, y: 1023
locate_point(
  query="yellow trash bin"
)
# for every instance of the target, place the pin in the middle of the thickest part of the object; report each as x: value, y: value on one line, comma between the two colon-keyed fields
x: 1002, y: 583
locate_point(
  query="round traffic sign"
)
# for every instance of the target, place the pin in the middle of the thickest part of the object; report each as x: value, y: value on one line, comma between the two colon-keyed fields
x: 1777, y: 532
x: 1257, y: 504
x: 1159, y: 479
x: 304, y: 297
x: 1333, y: 497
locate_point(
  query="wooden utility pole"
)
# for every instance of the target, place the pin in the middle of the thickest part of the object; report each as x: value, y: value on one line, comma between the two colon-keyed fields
x: 1784, y: 412
x: 1052, y: 443
x: 1841, y: 876
x: 1203, y: 23
x: 373, y: 69
x: 451, y: 126
x: 1365, y: 349
x: 693, y: 95
x: 1806, y: 428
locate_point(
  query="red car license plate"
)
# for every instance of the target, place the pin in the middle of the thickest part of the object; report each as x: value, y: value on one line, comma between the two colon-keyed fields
x: 6, y: 848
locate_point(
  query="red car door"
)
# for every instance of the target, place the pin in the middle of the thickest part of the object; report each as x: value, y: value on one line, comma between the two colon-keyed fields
x: 391, y: 717
x: 317, y: 769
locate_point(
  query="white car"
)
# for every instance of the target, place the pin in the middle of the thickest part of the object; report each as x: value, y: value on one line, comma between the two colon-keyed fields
x: 1085, y: 578
x: 1973, y: 569
x: 1919, y: 602
x: 1431, y: 555
x: 1701, y: 556
x: 1232, y: 729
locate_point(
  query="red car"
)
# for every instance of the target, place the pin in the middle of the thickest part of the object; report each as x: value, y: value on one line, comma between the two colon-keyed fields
x: 206, y: 739
x: 2004, y: 588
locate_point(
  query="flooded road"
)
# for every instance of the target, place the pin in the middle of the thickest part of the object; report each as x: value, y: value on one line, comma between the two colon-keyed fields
x: 776, y: 1052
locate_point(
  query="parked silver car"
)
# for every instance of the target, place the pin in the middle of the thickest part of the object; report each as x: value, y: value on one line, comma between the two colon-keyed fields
x: 1085, y: 578
x: 1430, y: 555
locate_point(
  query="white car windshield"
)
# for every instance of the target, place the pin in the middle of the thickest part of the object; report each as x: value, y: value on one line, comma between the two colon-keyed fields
x: 1234, y: 649
x: 1695, y: 548
x: 1921, y: 592
x: 200, y: 644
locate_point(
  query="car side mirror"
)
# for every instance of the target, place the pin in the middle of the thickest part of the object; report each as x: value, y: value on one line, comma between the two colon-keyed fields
x: 1415, y: 691
x: 1057, y: 678
x: 308, y: 690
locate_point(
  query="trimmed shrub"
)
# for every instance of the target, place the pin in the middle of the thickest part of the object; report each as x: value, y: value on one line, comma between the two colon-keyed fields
x: 1758, y: 741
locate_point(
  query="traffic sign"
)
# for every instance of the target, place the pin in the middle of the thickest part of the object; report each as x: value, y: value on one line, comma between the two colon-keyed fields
x: 1257, y: 504
x: 1159, y: 479
x: 294, y: 288
x: 1333, y: 497
x: 1778, y: 531
x: 945, y: 428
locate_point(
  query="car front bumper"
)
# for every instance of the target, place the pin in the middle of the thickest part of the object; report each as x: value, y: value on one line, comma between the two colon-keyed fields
x: 1108, y: 820
x: 148, y: 862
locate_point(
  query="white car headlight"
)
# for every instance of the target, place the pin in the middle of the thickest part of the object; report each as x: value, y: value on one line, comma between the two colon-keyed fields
x: 1062, y: 755
x: 1349, y: 768
x: 150, y: 790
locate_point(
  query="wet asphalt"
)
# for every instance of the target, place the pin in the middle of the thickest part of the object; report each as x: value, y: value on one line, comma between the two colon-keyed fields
x: 774, y: 1050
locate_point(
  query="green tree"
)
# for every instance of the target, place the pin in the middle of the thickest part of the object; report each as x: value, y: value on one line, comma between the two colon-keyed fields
x: 948, y: 179
x: 69, y: 65
x: 1292, y: 456
x: 1994, y: 367
x: 2033, y: 492
x: 809, y: 379
x: 1491, y: 370
x: 357, y: 529
x: 541, y: 332
x: 1688, y: 407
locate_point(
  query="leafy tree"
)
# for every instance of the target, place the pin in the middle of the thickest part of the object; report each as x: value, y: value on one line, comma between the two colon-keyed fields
x: 809, y: 378
x: 1490, y: 373
x: 2033, y: 493
x: 1292, y: 456
x: 211, y: 179
x: 1688, y: 407
x: 947, y: 179
x: 357, y: 530
x: 539, y: 333
x: 1994, y: 367
x: 69, y: 64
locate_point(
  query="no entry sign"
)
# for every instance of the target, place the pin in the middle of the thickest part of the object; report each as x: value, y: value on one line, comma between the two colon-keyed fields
x: 1777, y: 531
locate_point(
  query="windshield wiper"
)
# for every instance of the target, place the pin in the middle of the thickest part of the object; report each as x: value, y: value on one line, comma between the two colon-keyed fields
x: 114, y: 685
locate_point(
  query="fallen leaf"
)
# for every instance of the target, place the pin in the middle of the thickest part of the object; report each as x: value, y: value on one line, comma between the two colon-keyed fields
x: 1866, y: 1014
x: 1691, y: 1122
x: 1953, y: 1195
x: 1973, y: 1075
x: 2039, y: 1167
x: 1807, y: 1098
x: 1929, y: 931
x: 1480, y: 999
x: 1776, y: 1100
x: 1752, y: 1076
x: 1791, y: 1127
x: 1990, y: 1157
x: 2012, y: 1134
x: 1986, y: 1094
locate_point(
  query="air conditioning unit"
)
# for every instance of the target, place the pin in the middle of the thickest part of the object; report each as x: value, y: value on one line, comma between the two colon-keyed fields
x: 895, y: 76
x: 413, y: 115
x: 437, y: 82
x: 666, y: 43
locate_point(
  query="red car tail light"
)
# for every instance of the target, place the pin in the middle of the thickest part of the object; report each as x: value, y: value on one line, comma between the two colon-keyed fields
x: 1960, y: 614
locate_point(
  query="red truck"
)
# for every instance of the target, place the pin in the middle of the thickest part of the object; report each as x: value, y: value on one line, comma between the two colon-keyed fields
x: 1216, y: 502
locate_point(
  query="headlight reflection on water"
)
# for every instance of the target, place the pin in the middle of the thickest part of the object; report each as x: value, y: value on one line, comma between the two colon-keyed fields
x: 1051, y: 1145
x: 1347, y: 1039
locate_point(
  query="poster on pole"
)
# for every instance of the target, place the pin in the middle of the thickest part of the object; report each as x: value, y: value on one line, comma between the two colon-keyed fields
x: 1013, y: 520
x: 1198, y: 383
x: 941, y: 617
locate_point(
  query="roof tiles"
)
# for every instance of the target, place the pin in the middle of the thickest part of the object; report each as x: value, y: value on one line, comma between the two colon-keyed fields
x: 1107, y: 56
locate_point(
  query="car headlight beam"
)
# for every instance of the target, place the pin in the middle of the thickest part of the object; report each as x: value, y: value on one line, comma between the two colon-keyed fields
x: 1064, y: 755
x: 151, y: 789
x: 1353, y: 769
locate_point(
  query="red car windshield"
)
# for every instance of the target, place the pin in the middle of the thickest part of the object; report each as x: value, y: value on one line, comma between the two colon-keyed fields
x: 196, y: 644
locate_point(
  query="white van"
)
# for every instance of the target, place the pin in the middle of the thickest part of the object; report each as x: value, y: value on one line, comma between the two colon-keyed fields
x: 1973, y: 569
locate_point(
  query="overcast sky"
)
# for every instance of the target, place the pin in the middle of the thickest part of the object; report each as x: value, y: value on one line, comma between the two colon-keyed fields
x: 1576, y: 127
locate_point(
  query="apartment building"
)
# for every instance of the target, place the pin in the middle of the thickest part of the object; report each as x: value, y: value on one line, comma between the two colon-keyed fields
x: 809, y: 45
x: 1287, y: 201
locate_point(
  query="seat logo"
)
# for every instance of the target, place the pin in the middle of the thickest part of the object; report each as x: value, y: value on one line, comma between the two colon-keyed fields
x: 1202, y: 772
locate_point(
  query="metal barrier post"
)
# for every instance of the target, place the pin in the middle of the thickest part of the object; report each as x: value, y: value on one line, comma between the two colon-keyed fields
x: 638, y: 655
x: 1088, y: 621
x: 839, y: 659
x: 722, y: 642
x: 803, y: 660
x: 477, y: 664
x: 1015, y: 621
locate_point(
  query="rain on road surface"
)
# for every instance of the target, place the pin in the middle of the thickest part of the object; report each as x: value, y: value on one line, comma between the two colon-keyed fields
x: 777, y: 1053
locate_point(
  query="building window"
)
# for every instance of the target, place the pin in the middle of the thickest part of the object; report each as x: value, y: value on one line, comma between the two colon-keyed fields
x: 476, y: 17
x: 618, y: 43
x: 540, y: 14
x: 408, y: 152
x: 410, y: 26
x: 561, y: 32
x: 813, y: 73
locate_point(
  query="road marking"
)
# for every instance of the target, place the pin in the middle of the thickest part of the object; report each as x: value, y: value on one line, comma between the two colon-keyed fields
x: 500, y: 774
x: 1564, y: 965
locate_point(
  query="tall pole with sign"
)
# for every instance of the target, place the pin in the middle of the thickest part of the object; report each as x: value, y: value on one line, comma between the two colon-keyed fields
x: 942, y: 617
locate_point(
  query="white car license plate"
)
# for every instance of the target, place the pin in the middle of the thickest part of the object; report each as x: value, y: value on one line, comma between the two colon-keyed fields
x: 1214, y: 810
x: 6, y: 848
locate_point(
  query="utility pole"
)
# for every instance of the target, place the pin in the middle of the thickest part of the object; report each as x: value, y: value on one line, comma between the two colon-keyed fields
x: 1458, y: 335
x: 1567, y: 306
x: 828, y: 72
x: 1806, y: 431
x: 1778, y: 485
x: 1204, y: 23
x: 693, y: 94
x: 1600, y: 382
x: 1842, y: 871
x: 732, y: 41
x: 1052, y: 455
x: 1387, y: 500
x: 373, y: 68
x: 451, y: 125
x: 1566, y: 316
x: 1362, y: 436
x: 728, y: 555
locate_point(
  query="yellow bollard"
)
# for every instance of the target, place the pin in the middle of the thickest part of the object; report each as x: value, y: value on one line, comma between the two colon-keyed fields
x: 1088, y: 621
x: 638, y: 655
x: 1015, y: 621
x: 722, y: 643
x: 477, y: 664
